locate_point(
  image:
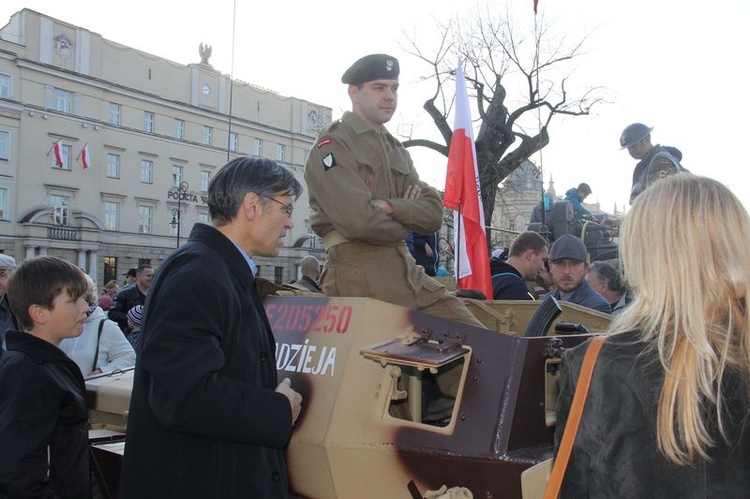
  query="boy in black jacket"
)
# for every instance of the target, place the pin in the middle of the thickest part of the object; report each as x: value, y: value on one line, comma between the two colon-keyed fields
x: 43, y: 414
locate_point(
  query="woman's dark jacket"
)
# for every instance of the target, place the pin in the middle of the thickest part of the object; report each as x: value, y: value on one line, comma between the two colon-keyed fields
x: 44, y: 439
x: 615, y: 452
x: 205, y: 421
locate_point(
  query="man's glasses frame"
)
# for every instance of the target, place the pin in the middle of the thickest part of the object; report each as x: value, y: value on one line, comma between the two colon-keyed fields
x: 288, y: 209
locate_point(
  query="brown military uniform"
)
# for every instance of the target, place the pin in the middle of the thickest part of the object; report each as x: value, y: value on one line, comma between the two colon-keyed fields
x: 366, y: 255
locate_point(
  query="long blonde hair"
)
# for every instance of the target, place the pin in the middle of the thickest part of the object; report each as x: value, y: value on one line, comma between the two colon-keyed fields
x: 685, y: 253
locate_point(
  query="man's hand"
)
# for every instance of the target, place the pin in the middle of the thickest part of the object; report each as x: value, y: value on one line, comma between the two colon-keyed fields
x: 412, y: 192
x: 295, y: 399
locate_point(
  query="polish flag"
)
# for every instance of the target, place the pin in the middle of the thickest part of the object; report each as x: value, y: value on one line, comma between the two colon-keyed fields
x: 463, y: 195
x: 57, y: 149
x: 85, y: 158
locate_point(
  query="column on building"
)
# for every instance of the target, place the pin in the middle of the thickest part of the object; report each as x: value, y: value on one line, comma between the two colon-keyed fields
x: 93, y: 265
x: 82, y: 260
x: 30, y: 252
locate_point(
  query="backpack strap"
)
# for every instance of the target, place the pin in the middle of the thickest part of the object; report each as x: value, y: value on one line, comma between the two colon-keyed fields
x: 98, y: 340
x: 574, y: 418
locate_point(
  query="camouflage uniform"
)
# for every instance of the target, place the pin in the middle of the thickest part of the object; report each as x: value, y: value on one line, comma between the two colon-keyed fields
x: 366, y: 254
x: 657, y: 164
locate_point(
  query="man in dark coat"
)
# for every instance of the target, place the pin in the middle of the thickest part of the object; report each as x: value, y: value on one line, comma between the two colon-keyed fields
x: 568, y: 265
x: 526, y: 258
x: 130, y: 296
x: 208, y: 418
x: 654, y: 161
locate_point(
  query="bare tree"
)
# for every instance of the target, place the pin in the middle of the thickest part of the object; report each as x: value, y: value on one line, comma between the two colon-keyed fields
x: 519, y: 83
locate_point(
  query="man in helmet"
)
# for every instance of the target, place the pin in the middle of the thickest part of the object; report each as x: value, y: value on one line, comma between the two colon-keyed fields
x: 655, y: 161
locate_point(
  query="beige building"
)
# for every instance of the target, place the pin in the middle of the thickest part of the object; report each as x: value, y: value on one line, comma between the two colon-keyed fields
x: 154, y: 133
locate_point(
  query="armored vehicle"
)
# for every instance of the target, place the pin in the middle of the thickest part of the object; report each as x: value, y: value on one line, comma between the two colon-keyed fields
x: 398, y: 403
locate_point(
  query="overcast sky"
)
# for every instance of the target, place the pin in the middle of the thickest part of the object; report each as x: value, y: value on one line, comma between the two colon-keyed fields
x: 677, y: 66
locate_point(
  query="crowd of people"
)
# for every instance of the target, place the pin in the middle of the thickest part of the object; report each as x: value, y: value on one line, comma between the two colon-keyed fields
x: 209, y: 416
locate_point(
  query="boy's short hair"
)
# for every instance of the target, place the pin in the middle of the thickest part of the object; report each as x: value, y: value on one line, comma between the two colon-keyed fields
x: 38, y: 281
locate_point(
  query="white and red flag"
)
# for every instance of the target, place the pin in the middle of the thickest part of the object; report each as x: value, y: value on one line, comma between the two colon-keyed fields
x: 85, y: 158
x: 464, y: 196
x: 57, y: 149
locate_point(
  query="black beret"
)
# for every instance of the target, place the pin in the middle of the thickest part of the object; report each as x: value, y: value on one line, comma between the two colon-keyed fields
x: 371, y: 67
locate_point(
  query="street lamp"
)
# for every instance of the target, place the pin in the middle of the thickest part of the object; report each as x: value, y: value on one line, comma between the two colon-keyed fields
x: 177, y: 212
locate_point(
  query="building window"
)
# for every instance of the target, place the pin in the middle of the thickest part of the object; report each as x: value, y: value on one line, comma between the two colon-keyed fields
x: 110, y: 269
x: 204, y: 218
x: 60, y: 209
x: 111, y: 215
x: 179, y: 129
x: 114, y: 113
x: 4, y: 215
x: 5, y: 86
x: 66, y: 152
x: 145, y: 219
x: 4, y: 145
x: 149, y: 119
x: 147, y: 171
x: 258, y: 151
x: 62, y: 100
x: 113, y: 166
x: 233, y: 142
x: 278, y: 275
x: 176, y: 176
x: 512, y: 224
x: 207, y: 135
x: 280, y: 152
x: 205, y: 180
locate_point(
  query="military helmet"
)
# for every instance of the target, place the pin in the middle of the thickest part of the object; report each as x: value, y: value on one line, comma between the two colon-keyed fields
x: 634, y: 133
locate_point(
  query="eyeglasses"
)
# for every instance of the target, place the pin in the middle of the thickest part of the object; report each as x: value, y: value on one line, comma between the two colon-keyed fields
x: 288, y: 209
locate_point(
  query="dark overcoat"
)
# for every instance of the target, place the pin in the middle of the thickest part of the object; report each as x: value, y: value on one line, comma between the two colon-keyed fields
x: 205, y: 421
x: 615, y: 452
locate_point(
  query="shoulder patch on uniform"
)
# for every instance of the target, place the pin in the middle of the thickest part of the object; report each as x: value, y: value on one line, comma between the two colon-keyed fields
x: 323, y: 142
x: 328, y: 161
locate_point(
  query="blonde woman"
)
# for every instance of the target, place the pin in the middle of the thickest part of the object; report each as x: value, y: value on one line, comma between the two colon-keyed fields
x: 667, y: 411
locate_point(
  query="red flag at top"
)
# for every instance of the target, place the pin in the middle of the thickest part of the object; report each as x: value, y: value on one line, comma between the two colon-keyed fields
x: 85, y: 156
x: 57, y: 149
x: 536, y: 2
x: 463, y: 195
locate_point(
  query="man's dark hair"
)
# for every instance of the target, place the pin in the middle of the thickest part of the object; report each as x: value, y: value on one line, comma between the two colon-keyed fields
x: 527, y: 240
x: 242, y: 175
x: 141, y: 268
x: 38, y: 281
x: 607, y: 274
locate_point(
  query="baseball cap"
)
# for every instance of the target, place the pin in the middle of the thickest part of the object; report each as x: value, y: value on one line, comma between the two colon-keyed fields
x: 568, y: 247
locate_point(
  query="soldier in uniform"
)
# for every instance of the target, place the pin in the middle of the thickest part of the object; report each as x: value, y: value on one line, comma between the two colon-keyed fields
x: 655, y: 162
x: 365, y: 197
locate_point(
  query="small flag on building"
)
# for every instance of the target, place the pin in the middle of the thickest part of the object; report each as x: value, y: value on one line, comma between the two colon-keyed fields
x: 85, y: 158
x: 57, y: 149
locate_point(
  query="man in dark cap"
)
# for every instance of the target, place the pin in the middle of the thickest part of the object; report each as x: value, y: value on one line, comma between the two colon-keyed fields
x: 365, y: 196
x: 655, y: 161
x: 568, y: 265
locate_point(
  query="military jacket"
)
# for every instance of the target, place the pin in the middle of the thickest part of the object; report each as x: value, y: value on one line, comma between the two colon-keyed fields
x: 657, y: 164
x: 352, y: 164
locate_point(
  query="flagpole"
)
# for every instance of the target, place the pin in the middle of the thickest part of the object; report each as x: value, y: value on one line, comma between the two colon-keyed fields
x: 457, y: 252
